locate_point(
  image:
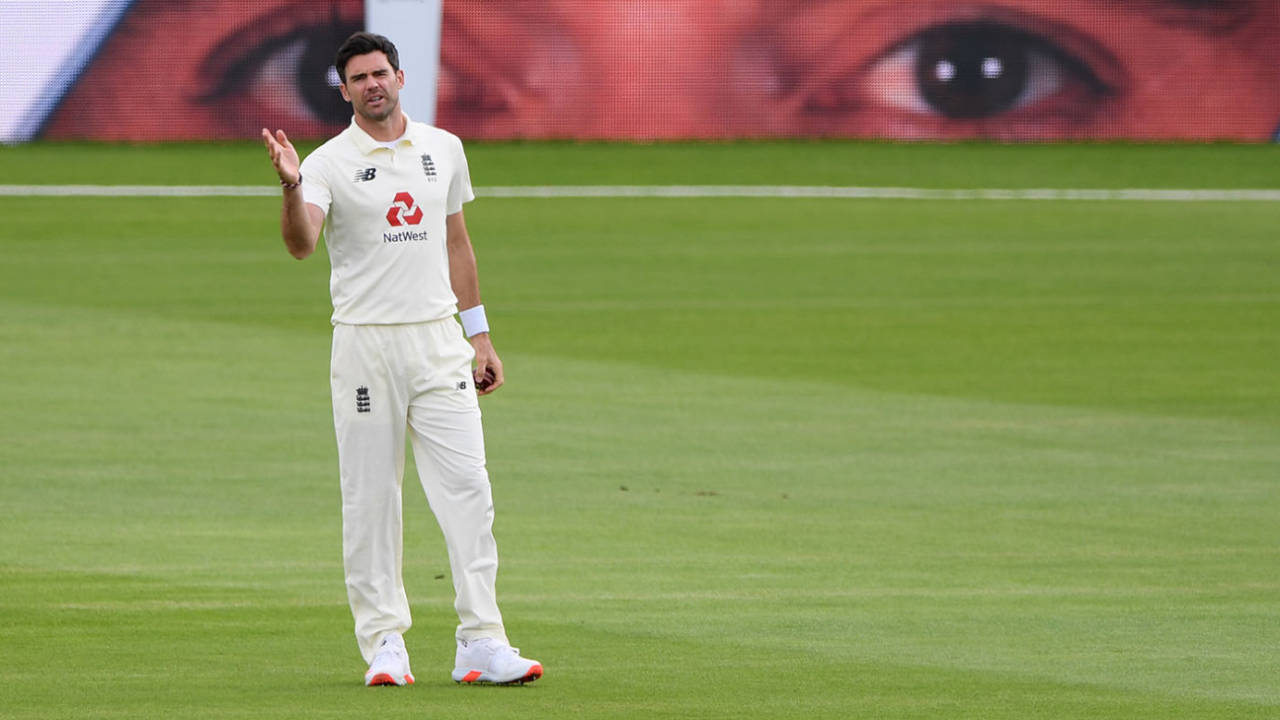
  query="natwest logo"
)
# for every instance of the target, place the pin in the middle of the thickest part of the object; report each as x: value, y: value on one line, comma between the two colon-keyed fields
x: 404, y: 211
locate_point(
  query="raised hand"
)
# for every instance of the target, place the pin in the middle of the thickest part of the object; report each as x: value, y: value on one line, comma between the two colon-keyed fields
x: 283, y: 155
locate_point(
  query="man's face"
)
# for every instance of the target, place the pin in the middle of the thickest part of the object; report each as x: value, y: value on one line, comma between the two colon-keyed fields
x: 372, y: 86
x: 1098, y: 69
x: 1004, y: 70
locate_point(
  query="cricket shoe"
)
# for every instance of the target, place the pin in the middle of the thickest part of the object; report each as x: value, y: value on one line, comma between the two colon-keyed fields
x: 390, y: 664
x: 492, y: 661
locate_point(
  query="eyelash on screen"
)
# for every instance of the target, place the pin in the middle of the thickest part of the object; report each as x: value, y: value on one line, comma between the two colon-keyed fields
x: 1046, y: 60
x: 229, y: 70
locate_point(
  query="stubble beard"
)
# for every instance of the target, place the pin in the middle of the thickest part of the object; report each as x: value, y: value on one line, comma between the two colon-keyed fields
x: 388, y: 110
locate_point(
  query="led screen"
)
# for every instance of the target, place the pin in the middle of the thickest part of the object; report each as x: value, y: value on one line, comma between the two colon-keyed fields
x: 1008, y: 70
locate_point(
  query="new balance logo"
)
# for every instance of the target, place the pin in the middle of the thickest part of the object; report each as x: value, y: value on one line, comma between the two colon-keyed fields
x: 462, y: 385
x: 429, y: 168
x: 362, y: 399
x: 366, y: 174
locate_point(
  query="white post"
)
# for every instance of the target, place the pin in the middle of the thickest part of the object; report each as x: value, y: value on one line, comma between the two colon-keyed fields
x: 414, y: 26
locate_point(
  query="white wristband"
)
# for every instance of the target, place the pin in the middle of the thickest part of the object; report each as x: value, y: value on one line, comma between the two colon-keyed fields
x: 473, y: 321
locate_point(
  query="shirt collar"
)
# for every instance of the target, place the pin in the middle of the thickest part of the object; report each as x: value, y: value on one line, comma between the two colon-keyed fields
x: 366, y: 144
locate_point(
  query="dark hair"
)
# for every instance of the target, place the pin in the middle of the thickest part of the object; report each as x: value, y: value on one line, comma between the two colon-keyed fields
x: 363, y: 43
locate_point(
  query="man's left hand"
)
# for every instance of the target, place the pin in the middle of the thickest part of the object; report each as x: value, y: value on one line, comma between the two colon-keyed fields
x: 488, y: 370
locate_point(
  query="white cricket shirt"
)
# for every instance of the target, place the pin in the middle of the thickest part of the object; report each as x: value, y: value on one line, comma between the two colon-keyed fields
x: 385, y: 212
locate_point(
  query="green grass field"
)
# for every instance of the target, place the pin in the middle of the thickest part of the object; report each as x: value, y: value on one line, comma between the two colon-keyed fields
x: 757, y: 458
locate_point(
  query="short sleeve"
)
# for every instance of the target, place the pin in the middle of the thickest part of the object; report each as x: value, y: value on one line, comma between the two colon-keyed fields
x: 460, y: 184
x: 315, y: 182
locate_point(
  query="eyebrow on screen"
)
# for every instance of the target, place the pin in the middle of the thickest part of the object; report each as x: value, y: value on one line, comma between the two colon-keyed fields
x: 1209, y: 17
x: 1203, y: 16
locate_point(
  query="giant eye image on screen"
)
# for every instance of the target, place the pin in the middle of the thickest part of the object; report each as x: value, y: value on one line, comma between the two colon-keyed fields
x: 1005, y: 70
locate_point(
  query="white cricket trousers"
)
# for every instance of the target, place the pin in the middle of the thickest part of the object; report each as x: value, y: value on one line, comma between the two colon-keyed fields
x: 386, y: 380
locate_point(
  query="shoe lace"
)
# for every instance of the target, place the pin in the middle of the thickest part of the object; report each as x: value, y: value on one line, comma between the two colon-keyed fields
x: 507, y: 650
x: 388, y: 650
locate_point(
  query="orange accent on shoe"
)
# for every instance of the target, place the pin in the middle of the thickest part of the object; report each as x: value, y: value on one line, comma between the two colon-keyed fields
x: 534, y: 673
x: 388, y: 679
x: 472, y: 676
